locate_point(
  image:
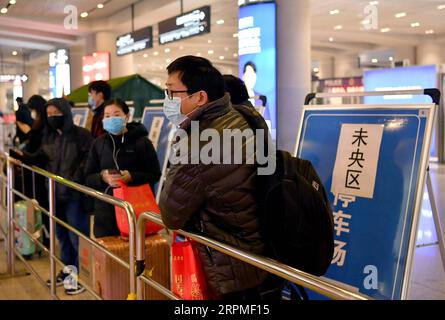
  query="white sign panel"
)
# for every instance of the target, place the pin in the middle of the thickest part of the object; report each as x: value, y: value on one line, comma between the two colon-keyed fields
x: 155, y: 131
x: 357, y: 160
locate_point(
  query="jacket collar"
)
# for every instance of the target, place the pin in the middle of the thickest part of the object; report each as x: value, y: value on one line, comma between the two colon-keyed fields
x: 212, y: 109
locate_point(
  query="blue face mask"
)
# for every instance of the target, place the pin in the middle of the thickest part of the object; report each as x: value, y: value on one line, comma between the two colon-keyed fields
x: 91, y: 102
x: 172, y: 110
x: 114, y: 125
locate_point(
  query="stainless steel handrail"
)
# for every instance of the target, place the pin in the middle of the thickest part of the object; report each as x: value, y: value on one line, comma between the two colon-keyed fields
x: 317, y: 284
x: 53, y: 220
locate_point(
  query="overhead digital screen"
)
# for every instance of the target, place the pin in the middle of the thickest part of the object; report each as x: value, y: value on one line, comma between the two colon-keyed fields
x: 134, y: 41
x: 257, y: 57
x: 187, y: 25
x: 409, y: 78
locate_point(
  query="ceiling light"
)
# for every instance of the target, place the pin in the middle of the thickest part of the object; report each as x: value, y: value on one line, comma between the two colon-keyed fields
x: 210, y: 52
x: 181, y: 48
x: 339, y: 27
x: 385, y: 30
x: 4, y: 10
x: 221, y: 57
x: 12, y: 2
x: 84, y: 14
x: 221, y: 21
x: 209, y: 41
x: 14, y: 53
x: 374, y: 60
x: 168, y: 60
x: 100, y: 6
x: 391, y: 58
x: 441, y: 7
x: 155, y: 53
x: 235, y: 55
x: 235, y: 35
x: 373, y: 3
x: 331, y: 39
x: 336, y: 11
x: 167, y: 50
x: 316, y: 70
x: 400, y: 15
x: 431, y: 31
x: 365, y: 22
x: 145, y: 55
x: 415, y: 25
x: 198, y: 54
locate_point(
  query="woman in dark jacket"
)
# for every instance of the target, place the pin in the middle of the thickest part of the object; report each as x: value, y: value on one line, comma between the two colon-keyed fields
x: 35, y: 184
x: 63, y: 151
x: 123, y: 153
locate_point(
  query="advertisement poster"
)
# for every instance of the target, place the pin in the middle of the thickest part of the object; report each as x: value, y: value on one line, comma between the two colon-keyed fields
x: 257, y: 57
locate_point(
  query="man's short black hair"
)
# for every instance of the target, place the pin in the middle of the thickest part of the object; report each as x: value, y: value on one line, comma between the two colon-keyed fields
x: 249, y: 64
x: 198, y: 74
x: 237, y: 89
x: 19, y: 100
x: 101, y: 86
x: 118, y: 103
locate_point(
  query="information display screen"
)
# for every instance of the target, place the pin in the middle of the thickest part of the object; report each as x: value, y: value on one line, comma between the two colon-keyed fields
x: 135, y: 41
x: 185, y: 26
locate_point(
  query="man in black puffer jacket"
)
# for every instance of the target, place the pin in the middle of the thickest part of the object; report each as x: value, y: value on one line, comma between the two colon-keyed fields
x: 216, y: 200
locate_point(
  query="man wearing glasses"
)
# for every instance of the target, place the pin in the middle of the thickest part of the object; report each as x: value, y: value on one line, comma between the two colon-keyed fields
x: 216, y: 200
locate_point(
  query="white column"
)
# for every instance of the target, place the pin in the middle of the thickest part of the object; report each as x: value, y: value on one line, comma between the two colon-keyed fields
x: 347, y: 66
x: 120, y: 66
x: 31, y: 87
x: 406, y: 53
x: 430, y: 52
x: 76, y: 54
x: 3, y: 97
x: 327, y: 68
x: 294, y: 68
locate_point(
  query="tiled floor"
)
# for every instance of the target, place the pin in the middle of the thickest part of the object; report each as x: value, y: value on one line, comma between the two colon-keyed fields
x: 427, y: 281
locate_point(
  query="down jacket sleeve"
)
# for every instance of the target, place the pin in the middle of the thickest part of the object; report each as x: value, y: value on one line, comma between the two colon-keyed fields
x: 182, y: 196
x: 150, y: 171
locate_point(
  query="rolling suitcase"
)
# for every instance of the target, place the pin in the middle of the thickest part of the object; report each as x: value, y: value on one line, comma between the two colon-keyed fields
x: 31, y: 219
x: 112, y: 279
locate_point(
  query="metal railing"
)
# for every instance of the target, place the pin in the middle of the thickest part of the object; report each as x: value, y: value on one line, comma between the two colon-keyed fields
x: 53, y: 220
x: 136, y: 263
x: 318, y: 284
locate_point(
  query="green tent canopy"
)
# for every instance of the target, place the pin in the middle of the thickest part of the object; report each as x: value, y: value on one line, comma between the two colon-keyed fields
x: 131, y: 88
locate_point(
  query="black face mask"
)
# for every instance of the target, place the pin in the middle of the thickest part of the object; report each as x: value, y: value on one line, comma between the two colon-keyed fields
x: 56, y: 122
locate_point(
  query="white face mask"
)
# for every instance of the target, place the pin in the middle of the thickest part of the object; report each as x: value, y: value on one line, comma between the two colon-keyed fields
x: 172, y: 110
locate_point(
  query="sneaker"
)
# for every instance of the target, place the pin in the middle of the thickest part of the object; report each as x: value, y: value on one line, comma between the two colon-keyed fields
x: 72, y: 292
x: 59, y: 279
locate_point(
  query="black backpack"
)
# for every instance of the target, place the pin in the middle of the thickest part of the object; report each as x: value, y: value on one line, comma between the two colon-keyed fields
x: 295, y: 214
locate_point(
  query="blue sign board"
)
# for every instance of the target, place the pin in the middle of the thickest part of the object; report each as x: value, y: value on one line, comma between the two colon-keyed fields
x: 257, y: 56
x: 159, y: 128
x: 372, y: 162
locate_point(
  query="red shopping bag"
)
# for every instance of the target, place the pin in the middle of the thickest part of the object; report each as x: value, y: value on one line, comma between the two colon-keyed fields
x: 188, y: 277
x: 142, y: 200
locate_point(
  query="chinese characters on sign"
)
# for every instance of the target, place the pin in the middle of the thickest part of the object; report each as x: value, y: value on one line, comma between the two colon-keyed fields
x: 155, y: 131
x: 357, y: 159
x: 342, y: 222
x: 354, y: 176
